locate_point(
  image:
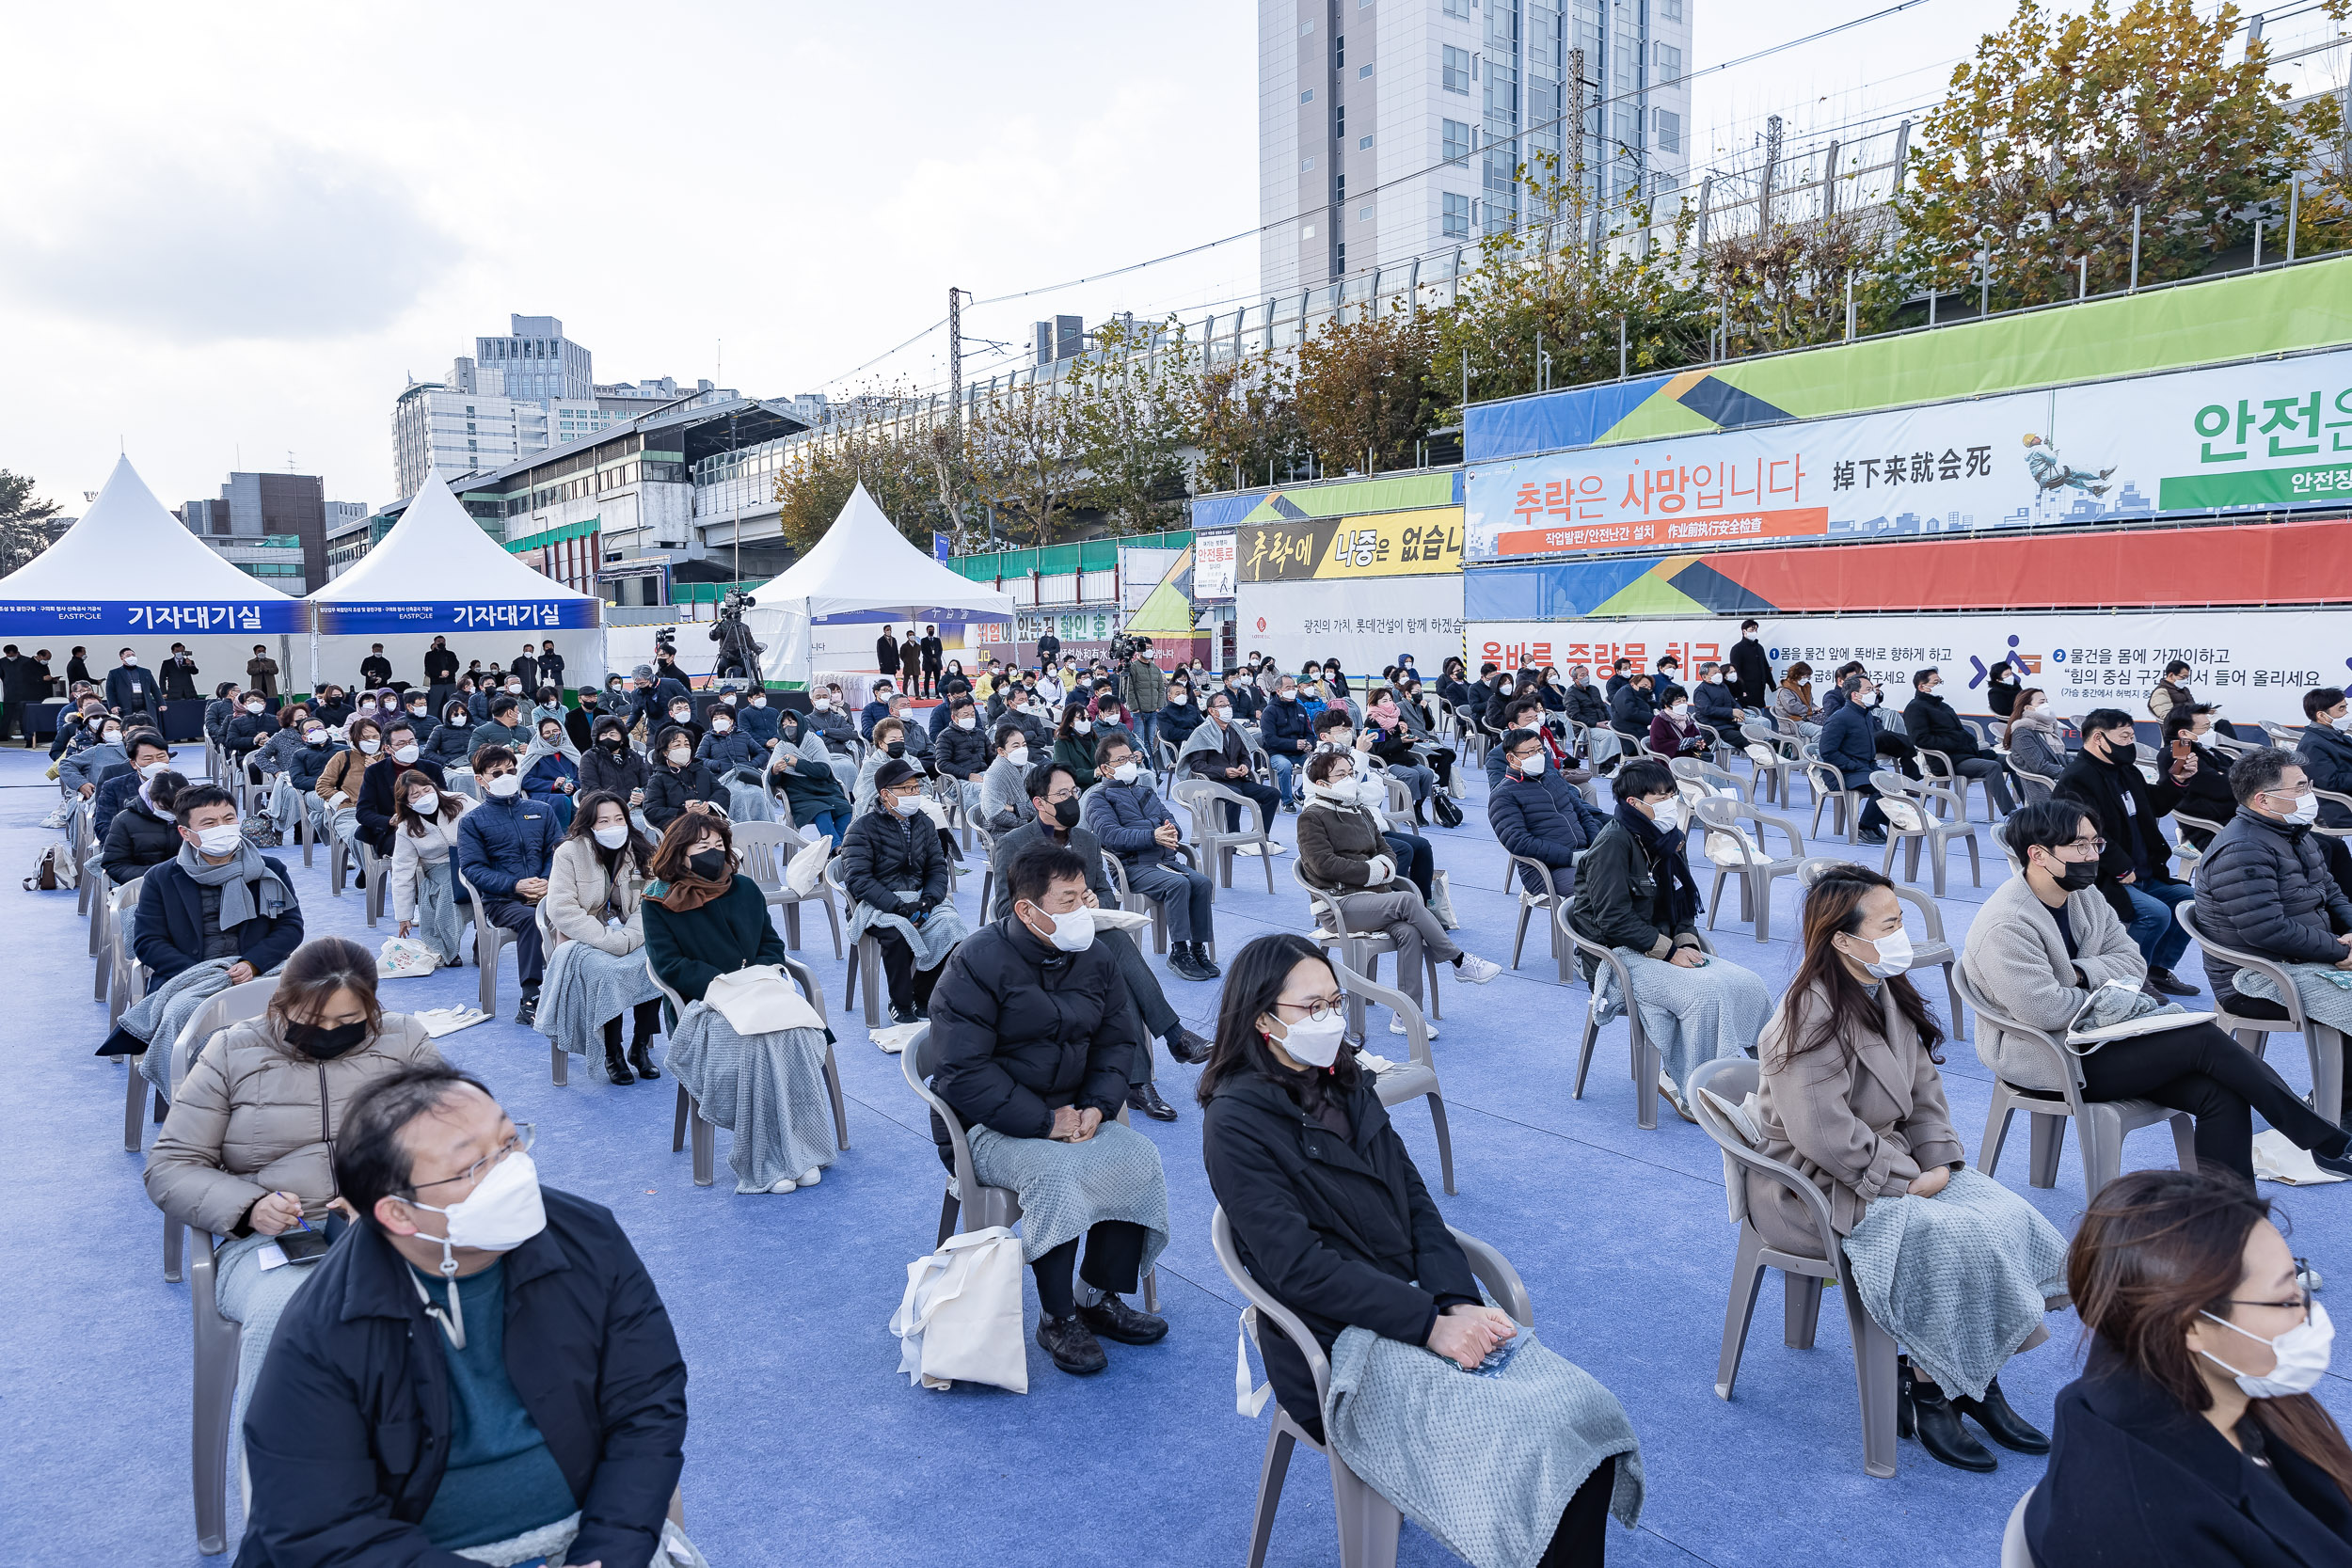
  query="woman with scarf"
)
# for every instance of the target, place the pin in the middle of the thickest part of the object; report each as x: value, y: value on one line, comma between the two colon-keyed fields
x: 247, y: 1152
x: 1384, y: 722
x: 1110, y: 717
x: 2035, y: 744
x: 800, y: 769
x: 702, y: 920
x: 593, y: 929
x: 1793, y: 701
x: 612, y: 764
x: 1673, y: 732
x: 425, y: 885
x: 1341, y: 851
x: 1634, y: 893
x: 550, y: 769
x: 338, y: 788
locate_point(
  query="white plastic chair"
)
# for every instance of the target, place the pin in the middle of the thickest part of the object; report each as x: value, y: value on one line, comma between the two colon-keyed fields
x: 1415, y: 1077
x: 690, y: 1110
x: 1648, y: 1061
x: 2247, y: 1021
x: 1746, y: 859
x: 1217, y: 844
x: 489, y: 938
x: 765, y: 850
x: 1360, y: 950
x: 1911, y: 824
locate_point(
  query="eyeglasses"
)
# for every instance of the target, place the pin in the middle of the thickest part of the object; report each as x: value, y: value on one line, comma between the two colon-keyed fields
x: 525, y: 1135
x: 2096, y: 845
x: 1318, y: 1010
x: 2302, y: 1302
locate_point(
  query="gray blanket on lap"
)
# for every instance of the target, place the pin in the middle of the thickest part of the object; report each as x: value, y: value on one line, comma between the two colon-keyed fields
x: 768, y: 1090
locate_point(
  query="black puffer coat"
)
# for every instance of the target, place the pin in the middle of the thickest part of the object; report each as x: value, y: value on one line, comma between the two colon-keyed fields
x: 884, y: 855
x: 2265, y: 887
x: 959, y: 753
x: 1341, y: 1230
x: 1020, y: 1029
x: 668, y: 789
x: 1631, y: 710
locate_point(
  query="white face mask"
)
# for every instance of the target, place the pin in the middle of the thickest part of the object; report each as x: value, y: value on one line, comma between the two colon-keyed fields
x: 1867, y: 699
x: 1081, y: 726
x: 367, y: 708
x: 1072, y: 932
x: 1667, y: 815
x: 112, y: 737
x: 758, y: 701
x: 222, y: 839
x: 1314, y: 1041
x: 155, y: 769
x: 1222, y: 715
x: 253, y: 707
x: 906, y: 805
x: 721, y: 726
x: 686, y: 718
x: 503, y: 1213
x: 1339, y: 786
x: 1680, y: 710
x: 821, y: 704
x: 2342, y: 721
x: 1125, y: 772
x: 1894, y: 951
x: 679, y: 756
x: 1018, y: 756
x: 314, y: 737
x: 514, y: 688
x: 2306, y: 810
x: 967, y: 722
x: 371, y: 747
x: 1342, y: 739
x: 612, y: 838
x: 504, y: 785
x: 1714, y: 679
x: 1531, y: 766
x: 406, y: 754
x: 2302, y: 1353
x: 426, y: 805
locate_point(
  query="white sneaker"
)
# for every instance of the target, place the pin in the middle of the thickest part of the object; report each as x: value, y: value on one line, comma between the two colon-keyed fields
x: 783, y: 1184
x: 1666, y: 1091
x: 810, y: 1177
x: 1396, y: 1026
x: 1476, y: 970
x: 1248, y: 850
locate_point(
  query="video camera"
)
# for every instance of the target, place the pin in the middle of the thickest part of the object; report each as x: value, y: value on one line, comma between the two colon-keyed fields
x: 1125, y: 647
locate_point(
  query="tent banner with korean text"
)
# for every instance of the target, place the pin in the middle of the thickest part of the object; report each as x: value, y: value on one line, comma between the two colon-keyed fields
x: 2269, y: 436
x: 1364, y: 625
x: 1374, y: 545
x: 2257, y: 663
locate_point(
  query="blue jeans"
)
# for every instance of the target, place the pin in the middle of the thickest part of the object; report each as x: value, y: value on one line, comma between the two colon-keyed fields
x: 2160, y: 938
x: 832, y: 824
x: 1282, y: 764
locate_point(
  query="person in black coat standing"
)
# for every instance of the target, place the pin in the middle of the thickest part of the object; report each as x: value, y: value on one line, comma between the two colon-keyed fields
x: 180, y: 675
x: 1033, y: 1037
x: 886, y: 653
x: 1753, y: 671
x: 931, y: 651
x: 2135, y: 869
x: 1328, y: 1213
x: 441, y: 665
x: 558, y: 1336
x: 21, y: 686
x: 131, y: 687
x: 2161, y: 1451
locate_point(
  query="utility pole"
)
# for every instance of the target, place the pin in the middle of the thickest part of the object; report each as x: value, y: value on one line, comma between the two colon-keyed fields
x: 955, y: 357
x: 1771, y: 167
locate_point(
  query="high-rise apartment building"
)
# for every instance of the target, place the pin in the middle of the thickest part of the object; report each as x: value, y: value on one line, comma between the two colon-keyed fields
x: 1389, y: 129
x: 272, y: 526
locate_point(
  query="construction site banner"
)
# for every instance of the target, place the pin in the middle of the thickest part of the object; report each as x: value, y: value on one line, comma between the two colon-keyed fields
x: 1382, y: 545
x: 2271, y: 435
x: 1363, y: 623
x: 2256, y: 663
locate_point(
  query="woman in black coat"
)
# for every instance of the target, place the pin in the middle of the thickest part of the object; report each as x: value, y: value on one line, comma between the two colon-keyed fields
x: 1327, y: 1210
x: 144, y: 831
x: 609, y: 762
x: 2162, y: 1452
x: 678, y: 779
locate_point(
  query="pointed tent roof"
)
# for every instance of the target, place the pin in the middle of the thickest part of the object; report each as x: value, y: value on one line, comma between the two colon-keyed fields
x: 864, y: 569
x: 128, y: 565
x: 436, y: 570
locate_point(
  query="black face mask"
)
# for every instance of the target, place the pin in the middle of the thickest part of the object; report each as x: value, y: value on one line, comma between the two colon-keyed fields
x: 2074, y: 875
x: 1066, y: 813
x: 897, y: 748
x: 710, y: 865
x: 612, y: 742
x: 324, y: 1045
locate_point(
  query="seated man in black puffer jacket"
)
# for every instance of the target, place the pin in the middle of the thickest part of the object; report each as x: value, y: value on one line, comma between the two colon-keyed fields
x: 2264, y: 887
x: 1930, y: 725
x: 1034, y: 1042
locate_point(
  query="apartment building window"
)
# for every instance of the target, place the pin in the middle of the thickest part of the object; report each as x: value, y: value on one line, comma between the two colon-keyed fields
x: 1456, y: 75
x: 1338, y: 121
x: 1306, y: 97
x: 1339, y: 53
x: 1456, y: 142
x: 1669, y: 131
x: 1363, y: 144
x: 1669, y: 63
x: 1363, y: 213
x: 1668, y: 10
x: 1306, y: 165
x: 1362, y: 72
x: 1339, y: 258
x: 1457, y: 8
x: 1456, y: 221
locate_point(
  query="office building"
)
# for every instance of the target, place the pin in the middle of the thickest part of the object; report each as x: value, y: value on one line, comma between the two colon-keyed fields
x: 272, y: 526
x: 1391, y: 129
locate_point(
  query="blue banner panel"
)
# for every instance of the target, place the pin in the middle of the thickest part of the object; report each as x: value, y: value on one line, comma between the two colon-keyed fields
x: 336, y: 618
x: 21, y: 618
x: 1552, y: 421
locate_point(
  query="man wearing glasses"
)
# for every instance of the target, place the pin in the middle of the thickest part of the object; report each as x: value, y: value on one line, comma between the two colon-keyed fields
x: 2048, y: 939
x: 479, y: 1362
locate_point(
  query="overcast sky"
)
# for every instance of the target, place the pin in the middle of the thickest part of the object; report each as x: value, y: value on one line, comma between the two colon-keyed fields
x: 232, y: 232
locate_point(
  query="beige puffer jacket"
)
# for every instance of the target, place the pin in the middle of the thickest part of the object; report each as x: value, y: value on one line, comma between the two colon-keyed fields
x: 256, y: 1116
x: 575, y: 904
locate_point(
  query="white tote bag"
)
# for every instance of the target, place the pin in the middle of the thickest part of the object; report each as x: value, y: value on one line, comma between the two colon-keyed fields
x: 808, y: 866
x: 960, y: 1315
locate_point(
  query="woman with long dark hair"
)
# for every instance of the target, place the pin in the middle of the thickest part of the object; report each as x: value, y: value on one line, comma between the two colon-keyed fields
x: 1329, y: 1215
x: 2192, y: 1438
x: 1953, y: 1264
x: 596, y: 958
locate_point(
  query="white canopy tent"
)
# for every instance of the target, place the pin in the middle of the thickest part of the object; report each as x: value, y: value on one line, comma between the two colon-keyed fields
x: 129, y: 574
x: 825, y: 612
x: 438, y: 574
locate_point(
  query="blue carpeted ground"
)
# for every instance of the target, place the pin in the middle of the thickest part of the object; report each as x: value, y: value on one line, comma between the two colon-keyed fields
x: 808, y: 1449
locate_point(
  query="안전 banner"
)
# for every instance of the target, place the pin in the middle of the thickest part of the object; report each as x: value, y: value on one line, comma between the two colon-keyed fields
x: 2270, y: 436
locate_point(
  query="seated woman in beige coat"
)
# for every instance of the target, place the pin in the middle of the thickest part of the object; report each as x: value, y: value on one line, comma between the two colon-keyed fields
x: 1954, y: 1266
x: 1341, y: 851
x: 247, y: 1152
x: 595, y: 941
x: 2046, y: 940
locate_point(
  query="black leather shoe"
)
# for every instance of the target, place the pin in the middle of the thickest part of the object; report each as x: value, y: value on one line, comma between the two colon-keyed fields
x: 528, y: 1013
x: 640, y: 1057
x: 1113, y: 1318
x: 1937, y: 1426
x: 615, y: 1067
x: 1146, y: 1097
x: 2166, y: 983
x: 1072, y: 1345
x: 2001, y: 1423
x: 1187, y: 1047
